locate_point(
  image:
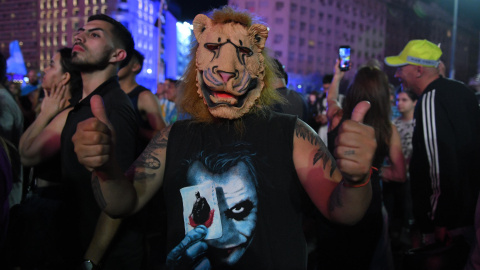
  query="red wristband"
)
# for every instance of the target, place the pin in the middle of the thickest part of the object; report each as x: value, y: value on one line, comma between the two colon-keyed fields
x: 345, y: 184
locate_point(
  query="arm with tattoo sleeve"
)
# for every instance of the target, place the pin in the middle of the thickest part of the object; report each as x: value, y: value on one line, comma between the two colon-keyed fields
x: 118, y: 194
x: 324, y: 178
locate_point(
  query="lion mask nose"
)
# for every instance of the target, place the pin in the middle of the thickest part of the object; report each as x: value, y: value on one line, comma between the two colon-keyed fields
x: 226, y: 75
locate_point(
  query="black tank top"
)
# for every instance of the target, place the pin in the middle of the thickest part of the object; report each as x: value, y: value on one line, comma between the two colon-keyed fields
x: 258, y: 194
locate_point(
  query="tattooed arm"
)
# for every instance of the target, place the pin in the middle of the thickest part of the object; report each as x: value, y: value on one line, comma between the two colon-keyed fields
x: 116, y: 193
x: 323, y: 177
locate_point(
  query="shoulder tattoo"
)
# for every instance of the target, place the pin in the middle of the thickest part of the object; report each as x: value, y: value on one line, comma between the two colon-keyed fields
x: 304, y: 132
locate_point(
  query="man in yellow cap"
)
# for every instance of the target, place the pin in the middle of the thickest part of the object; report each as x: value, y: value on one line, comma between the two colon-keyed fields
x: 446, y: 146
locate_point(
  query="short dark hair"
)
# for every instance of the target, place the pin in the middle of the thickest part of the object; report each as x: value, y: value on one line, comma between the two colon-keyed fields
x: 67, y: 66
x: 121, y: 35
x: 138, y: 56
x: 410, y: 94
x: 3, y: 69
x: 172, y: 80
x: 328, y: 78
x: 281, y: 71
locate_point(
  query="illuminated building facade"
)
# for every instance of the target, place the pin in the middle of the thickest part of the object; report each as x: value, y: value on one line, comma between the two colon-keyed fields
x: 305, y: 34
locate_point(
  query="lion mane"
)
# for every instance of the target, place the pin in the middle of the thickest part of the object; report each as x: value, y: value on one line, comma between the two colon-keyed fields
x: 193, y: 104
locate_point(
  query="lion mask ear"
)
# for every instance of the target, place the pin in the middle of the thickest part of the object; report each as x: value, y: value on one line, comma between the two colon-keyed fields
x: 200, y: 23
x: 258, y: 33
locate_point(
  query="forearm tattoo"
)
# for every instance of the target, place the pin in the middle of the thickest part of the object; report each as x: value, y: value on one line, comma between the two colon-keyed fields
x: 304, y: 132
x: 148, y: 160
x: 97, y: 192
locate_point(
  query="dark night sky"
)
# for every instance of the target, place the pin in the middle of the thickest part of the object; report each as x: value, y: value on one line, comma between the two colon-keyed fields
x: 467, y: 9
x: 185, y: 10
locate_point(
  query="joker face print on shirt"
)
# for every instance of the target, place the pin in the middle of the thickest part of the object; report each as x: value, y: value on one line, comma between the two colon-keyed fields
x: 232, y: 176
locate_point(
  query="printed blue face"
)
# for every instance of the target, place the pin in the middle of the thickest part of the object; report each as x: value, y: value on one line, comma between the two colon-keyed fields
x: 237, y: 201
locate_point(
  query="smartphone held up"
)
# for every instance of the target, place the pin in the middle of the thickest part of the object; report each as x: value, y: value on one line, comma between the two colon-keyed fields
x: 344, y: 55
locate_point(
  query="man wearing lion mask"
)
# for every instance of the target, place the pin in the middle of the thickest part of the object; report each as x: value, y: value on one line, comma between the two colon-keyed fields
x: 235, y: 176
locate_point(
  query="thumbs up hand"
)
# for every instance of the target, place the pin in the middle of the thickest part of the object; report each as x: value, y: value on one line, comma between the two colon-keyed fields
x: 355, y: 145
x: 94, y: 139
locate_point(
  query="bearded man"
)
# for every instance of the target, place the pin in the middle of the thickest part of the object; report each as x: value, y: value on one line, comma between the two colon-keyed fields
x: 252, y: 167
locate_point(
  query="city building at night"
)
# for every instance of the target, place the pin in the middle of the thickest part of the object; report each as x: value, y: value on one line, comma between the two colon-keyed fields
x: 44, y: 26
x: 305, y: 35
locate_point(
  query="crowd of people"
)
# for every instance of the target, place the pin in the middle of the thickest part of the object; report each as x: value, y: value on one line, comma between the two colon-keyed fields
x: 375, y: 178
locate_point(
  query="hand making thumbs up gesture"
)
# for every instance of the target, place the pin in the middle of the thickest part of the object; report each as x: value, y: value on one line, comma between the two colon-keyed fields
x: 94, y: 138
x: 355, y: 146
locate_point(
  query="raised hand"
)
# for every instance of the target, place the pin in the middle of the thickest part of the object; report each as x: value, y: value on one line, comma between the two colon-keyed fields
x: 55, y: 100
x: 94, y: 139
x: 190, y: 253
x: 355, y: 145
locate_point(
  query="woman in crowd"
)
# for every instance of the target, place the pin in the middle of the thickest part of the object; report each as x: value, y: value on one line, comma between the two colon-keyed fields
x: 39, y: 236
x: 364, y: 245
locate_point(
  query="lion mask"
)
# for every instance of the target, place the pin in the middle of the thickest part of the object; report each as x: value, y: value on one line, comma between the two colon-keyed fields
x: 229, y: 64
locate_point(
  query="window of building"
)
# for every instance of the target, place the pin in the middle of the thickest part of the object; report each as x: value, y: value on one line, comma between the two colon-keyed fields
x: 64, y: 39
x: 293, y: 24
x: 42, y: 4
x: 86, y: 2
x: 64, y: 3
x: 278, y: 54
x: 293, y: 7
x: 104, y: 9
x: 250, y: 5
x: 301, y: 42
x: 320, y: 16
x: 277, y: 38
x: 87, y: 11
x: 263, y: 4
x: 303, y: 10
x: 311, y: 43
x: 311, y: 28
x: 303, y: 25
x: 75, y: 3
x: 75, y: 12
x: 279, y: 20
x: 291, y: 56
x: 291, y: 40
x: 64, y: 13
x: 279, y: 5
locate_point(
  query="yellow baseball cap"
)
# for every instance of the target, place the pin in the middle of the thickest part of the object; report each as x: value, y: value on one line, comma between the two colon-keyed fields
x: 417, y: 52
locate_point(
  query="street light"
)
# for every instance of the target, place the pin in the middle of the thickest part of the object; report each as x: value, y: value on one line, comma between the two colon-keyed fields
x: 454, y: 39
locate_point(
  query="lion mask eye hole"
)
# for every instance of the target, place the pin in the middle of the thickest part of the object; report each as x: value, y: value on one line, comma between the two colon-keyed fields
x: 212, y: 47
x: 245, y: 50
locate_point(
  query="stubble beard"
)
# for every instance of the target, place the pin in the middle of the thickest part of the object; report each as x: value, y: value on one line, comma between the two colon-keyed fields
x: 91, y: 65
